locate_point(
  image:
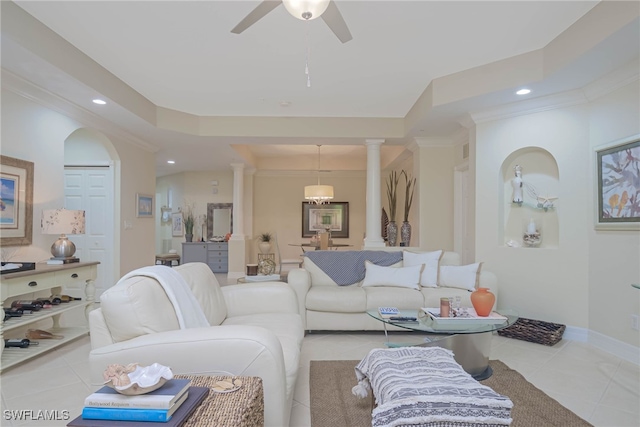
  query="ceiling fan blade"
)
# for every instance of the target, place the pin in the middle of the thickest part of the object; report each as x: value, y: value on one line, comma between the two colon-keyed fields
x: 334, y: 20
x: 256, y: 14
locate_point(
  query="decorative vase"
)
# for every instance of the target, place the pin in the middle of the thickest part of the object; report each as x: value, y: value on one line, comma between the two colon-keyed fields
x: 189, y: 237
x: 405, y: 233
x: 482, y: 300
x: 266, y: 267
x: 392, y: 233
x: 264, y: 247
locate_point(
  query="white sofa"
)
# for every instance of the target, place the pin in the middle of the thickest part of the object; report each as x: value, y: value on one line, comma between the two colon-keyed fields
x: 324, y: 305
x: 255, y: 331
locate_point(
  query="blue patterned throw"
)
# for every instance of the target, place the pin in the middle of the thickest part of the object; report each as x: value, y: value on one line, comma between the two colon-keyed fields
x: 347, y: 267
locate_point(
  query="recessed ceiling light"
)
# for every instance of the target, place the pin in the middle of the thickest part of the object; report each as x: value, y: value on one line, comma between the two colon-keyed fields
x: 171, y: 162
x: 523, y: 92
x: 99, y: 101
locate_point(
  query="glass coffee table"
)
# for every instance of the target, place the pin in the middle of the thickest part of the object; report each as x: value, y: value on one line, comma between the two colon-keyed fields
x: 470, y: 343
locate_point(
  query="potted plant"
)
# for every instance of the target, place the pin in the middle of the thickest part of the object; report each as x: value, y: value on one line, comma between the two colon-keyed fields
x: 410, y: 186
x: 264, y: 244
x: 189, y: 220
x: 392, y: 196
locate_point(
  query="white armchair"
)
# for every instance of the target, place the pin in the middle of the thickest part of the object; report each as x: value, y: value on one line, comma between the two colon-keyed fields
x: 255, y: 331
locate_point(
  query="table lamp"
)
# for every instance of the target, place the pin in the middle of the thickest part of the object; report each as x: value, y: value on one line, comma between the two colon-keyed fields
x: 63, y: 222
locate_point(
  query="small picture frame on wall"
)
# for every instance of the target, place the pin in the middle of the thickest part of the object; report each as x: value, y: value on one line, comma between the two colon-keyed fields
x: 618, y: 176
x: 177, y: 225
x: 144, y: 205
x: 165, y: 216
x: 16, y: 201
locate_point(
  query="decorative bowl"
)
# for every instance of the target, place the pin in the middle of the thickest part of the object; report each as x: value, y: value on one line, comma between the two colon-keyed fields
x: 134, y: 379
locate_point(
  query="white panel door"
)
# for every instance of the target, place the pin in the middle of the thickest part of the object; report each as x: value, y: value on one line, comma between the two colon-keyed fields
x: 91, y: 189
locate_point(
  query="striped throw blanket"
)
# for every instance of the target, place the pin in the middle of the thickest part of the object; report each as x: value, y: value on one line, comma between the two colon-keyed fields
x: 426, y: 387
x: 347, y: 267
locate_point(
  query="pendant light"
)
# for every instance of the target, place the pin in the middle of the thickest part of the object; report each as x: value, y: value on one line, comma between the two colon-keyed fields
x: 318, y: 194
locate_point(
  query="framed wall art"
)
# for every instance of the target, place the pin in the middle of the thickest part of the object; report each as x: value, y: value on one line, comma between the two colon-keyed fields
x: 177, y: 225
x: 618, y: 175
x: 333, y: 216
x: 16, y: 202
x: 144, y: 205
x: 165, y: 215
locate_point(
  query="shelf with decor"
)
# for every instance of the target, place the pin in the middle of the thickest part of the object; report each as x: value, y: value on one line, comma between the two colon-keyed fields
x: 43, y: 281
x: 532, y: 206
x: 530, y: 187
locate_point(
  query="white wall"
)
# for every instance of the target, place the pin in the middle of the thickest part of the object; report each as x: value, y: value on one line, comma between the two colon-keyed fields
x: 584, y: 281
x: 435, y: 187
x: 36, y: 134
x: 33, y: 132
x: 614, y: 256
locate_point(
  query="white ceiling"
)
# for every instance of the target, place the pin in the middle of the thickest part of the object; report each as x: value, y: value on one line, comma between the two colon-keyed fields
x: 181, y: 56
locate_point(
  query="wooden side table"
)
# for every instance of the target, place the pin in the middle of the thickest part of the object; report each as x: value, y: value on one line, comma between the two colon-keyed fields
x: 167, y: 259
x: 241, y: 408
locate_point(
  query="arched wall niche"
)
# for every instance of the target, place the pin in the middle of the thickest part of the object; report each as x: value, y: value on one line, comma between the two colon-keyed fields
x: 540, y: 190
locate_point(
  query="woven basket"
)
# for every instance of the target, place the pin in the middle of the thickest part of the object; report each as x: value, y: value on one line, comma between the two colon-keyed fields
x: 534, y: 331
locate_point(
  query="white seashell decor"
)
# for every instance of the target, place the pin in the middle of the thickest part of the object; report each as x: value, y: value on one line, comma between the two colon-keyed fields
x: 134, y: 379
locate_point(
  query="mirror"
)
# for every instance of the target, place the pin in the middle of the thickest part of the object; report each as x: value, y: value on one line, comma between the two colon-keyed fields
x: 219, y: 221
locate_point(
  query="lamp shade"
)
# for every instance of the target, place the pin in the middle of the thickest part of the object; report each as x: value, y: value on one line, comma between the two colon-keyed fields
x: 306, y: 9
x: 63, y: 221
x: 318, y: 193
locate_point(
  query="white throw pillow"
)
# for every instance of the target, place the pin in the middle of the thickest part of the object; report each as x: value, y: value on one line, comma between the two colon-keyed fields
x: 431, y: 261
x: 401, y: 277
x: 460, y: 276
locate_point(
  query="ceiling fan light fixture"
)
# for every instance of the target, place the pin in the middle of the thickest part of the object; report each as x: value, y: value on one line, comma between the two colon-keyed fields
x: 306, y: 10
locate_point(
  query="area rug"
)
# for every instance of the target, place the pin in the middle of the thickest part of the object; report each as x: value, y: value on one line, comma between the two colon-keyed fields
x: 333, y: 404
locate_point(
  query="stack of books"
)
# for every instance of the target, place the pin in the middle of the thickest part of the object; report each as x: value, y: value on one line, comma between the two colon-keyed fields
x: 172, y: 404
x: 387, y: 312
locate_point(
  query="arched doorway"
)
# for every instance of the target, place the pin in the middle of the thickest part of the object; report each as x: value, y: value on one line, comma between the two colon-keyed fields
x: 92, y: 168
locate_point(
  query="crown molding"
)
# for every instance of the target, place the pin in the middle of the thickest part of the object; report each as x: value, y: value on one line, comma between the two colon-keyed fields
x: 332, y: 174
x: 466, y: 121
x: 600, y: 87
x: 532, y: 106
x: 84, y: 117
x: 431, y: 142
x: 613, y: 81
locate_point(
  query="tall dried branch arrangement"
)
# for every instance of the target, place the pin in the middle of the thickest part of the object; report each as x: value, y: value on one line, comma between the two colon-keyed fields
x: 392, y: 193
x: 410, y: 186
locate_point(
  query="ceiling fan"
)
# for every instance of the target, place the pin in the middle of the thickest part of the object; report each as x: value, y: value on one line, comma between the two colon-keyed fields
x: 301, y: 9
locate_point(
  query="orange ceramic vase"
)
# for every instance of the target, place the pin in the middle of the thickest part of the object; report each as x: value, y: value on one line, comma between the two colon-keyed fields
x: 482, y: 300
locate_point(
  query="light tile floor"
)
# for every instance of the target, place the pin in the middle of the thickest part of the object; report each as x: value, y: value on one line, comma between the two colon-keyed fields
x: 596, y: 385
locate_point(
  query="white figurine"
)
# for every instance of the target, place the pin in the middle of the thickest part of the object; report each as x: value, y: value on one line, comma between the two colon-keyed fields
x: 516, y: 183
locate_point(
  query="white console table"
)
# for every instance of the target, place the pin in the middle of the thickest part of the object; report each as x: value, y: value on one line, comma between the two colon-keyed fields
x: 30, y: 284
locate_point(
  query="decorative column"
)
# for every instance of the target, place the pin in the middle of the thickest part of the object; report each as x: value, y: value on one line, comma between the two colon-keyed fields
x: 237, y: 242
x: 374, y: 204
x: 238, y: 201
